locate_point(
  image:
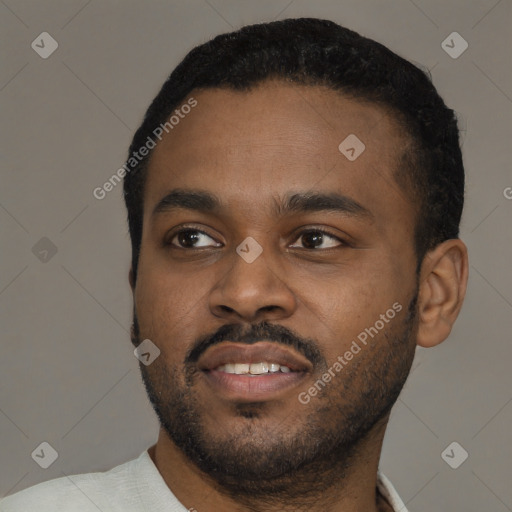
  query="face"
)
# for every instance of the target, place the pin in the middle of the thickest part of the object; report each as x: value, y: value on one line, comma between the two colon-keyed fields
x: 266, y: 250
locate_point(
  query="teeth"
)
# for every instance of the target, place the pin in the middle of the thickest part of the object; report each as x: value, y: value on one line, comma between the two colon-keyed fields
x: 274, y: 367
x: 253, y: 368
x: 258, y: 368
x: 241, y: 369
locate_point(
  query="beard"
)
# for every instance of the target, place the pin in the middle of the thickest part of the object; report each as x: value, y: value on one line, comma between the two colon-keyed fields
x: 260, y: 462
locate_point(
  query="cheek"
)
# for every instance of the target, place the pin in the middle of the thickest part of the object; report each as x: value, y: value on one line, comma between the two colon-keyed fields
x: 352, y: 294
x: 348, y: 307
x: 167, y: 308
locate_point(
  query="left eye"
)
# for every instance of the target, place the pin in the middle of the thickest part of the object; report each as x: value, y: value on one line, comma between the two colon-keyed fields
x: 314, y: 238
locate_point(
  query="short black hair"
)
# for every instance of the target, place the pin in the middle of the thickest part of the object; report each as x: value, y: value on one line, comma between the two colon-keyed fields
x: 310, y: 51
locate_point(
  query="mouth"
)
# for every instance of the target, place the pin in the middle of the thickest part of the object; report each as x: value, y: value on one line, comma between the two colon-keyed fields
x: 252, y: 369
x: 258, y: 372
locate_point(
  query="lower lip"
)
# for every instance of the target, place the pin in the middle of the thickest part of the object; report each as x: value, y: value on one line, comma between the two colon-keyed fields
x: 252, y: 388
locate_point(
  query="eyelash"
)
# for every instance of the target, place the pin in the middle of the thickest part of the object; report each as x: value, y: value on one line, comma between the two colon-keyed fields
x: 184, y: 229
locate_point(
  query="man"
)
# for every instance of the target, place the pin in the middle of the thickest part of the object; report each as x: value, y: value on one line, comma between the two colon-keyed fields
x: 294, y: 196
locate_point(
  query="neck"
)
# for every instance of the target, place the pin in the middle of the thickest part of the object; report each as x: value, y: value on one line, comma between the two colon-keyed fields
x: 350, y: 486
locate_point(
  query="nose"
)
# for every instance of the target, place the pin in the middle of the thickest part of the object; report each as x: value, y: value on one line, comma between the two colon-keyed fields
x: 252, y: 292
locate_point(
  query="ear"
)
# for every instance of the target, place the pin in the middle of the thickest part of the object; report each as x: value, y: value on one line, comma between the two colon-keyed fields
x: 131, y: 279
x: 443, y: 281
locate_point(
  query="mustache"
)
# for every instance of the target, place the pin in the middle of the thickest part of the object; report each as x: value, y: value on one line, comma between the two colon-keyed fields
x: 258, y: 332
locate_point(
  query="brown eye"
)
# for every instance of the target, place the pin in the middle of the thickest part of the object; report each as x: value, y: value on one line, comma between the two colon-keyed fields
x: 192, y: 238
x: 314, y: 238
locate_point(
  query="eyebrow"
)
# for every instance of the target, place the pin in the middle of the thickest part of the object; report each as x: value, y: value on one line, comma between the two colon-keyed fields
x: 203, y: 201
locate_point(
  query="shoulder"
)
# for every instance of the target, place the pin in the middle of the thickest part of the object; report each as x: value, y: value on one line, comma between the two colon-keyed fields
x: 77, y: 493
x: 58, y: 494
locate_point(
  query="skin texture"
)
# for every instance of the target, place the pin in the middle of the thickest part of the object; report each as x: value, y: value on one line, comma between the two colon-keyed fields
x: 251, y: 149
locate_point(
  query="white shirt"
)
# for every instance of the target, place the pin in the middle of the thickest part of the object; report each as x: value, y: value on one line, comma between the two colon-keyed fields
x: 135, y: 486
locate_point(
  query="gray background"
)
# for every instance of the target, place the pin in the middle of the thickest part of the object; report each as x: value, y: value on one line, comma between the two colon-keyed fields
x: 67, y: 371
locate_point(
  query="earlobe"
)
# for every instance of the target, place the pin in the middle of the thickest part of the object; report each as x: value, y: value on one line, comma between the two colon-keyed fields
x: 443, y: 281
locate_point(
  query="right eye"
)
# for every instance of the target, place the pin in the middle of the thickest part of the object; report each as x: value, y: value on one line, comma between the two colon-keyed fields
x: 191, y: 238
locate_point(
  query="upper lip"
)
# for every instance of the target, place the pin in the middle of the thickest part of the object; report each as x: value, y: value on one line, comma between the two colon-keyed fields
x: 262, y: 351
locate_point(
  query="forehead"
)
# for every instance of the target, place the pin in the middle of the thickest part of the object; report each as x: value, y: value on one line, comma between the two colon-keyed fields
x: 249, y: 146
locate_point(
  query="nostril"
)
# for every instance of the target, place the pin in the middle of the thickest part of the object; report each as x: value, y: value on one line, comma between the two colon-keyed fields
x: 269, y: 308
